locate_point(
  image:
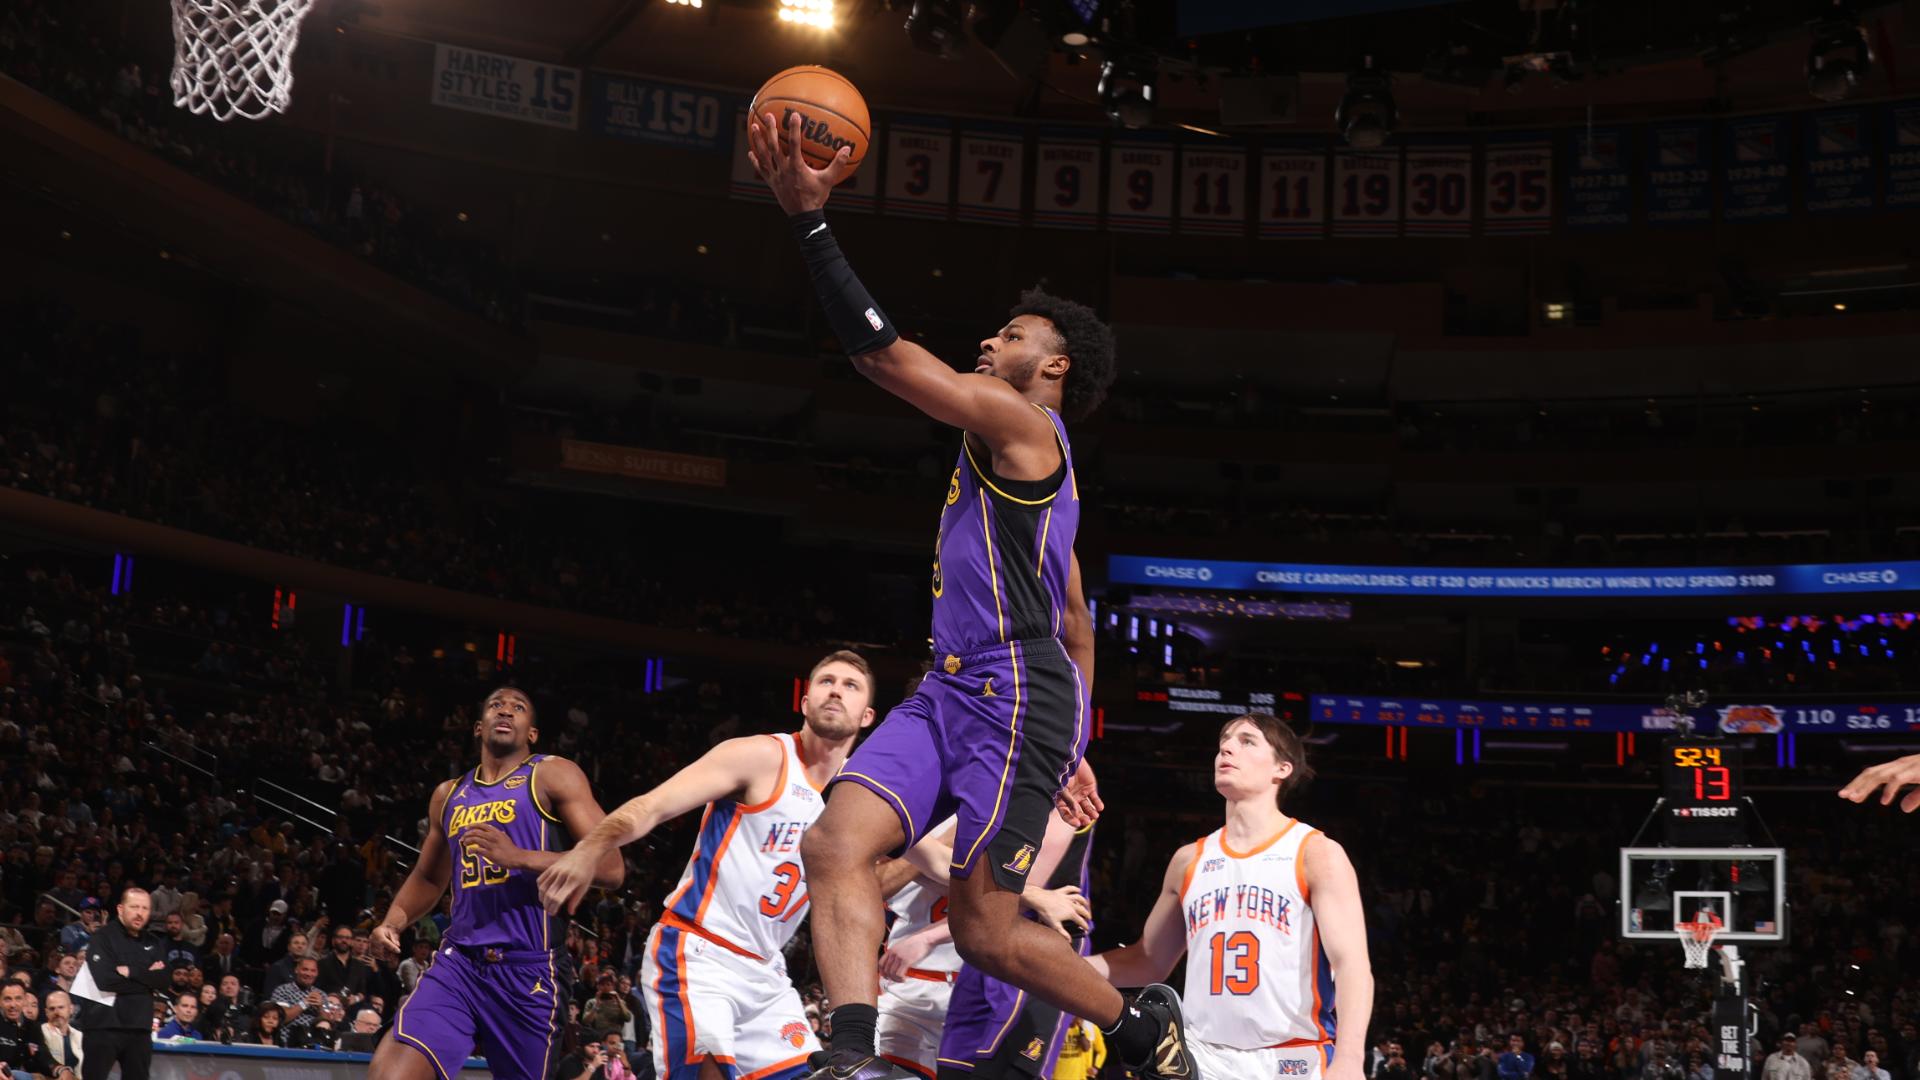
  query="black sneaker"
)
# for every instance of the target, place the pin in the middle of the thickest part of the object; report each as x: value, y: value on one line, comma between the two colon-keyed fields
x: 1171, y: 1059
x: 828, y: 1066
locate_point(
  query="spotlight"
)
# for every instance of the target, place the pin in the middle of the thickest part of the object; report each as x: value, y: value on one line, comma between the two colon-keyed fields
x: 1128, y: 89
x: 1839, y: 60
x: 934, y: 26
x: 1366, y: 115
x: 815, y: 13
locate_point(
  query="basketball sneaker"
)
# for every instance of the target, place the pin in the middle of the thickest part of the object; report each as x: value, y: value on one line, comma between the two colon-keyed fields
x: 828, y: 1066
x: 1171, y: 1060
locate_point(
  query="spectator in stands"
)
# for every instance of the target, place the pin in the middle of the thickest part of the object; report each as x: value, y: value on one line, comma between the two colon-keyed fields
x: 1394, y: 1065
x: 266, y: 940
x: 64, y: 1042
x: 340, y: 971
x: 1436, y: 1052
x: 586, y: 1064
x: 180, y: 953
x: 75, y: 935
x: 1787, y: 1063
x: 184, y: 1023
x: 21, y: 1048
x: 280, y: 972
x: 221, y: 961
x: 1516, y: 1063
x: 267, y: 1027
x: 1870, y: 1066
x: 416, y: 965
x: 606, y: 1014
x: 300, y: 999
x: 365, y: 1034
x: 1841, y: 1067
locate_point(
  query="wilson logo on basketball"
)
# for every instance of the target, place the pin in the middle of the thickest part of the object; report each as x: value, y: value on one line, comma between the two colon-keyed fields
x: 817, y: 132
x: 795, y: 1033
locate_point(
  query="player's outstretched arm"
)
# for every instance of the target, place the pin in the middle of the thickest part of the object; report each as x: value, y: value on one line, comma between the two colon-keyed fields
x: 728, y: 769
x: 424, y: 884
x: 1887, y: 778
x: 1079, y: 802
x: 1163, y: 939
x: 1333, y: 892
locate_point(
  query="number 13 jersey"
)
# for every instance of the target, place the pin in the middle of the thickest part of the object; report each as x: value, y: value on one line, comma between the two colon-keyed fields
x: 745, y: 883
x: 1256, y: 975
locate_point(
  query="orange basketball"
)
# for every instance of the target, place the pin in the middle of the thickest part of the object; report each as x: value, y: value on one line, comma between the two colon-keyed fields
x: 832, y: 112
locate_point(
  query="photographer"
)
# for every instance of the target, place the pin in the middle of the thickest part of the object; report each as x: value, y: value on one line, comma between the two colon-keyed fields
x: 606, y: 1014
x: 1394, y: 1065
x: 587, y: 1064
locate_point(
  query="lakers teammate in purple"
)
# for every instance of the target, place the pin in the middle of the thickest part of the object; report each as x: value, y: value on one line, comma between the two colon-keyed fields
x: 500, y: 980
x: 996, y: 730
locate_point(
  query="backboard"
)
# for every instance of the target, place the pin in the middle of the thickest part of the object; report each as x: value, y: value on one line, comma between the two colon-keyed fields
x: 1662, y: 886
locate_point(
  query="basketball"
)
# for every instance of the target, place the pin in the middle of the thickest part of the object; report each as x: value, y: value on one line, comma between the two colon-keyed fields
x: 832, y: 112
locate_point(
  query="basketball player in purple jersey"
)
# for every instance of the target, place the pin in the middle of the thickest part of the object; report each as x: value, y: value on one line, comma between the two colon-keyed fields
x: 996, y: 730
x: 501, y: 978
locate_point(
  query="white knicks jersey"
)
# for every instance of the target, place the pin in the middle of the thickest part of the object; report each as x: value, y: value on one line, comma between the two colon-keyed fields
x: 1256, y: 976
x: 745, y: 883
x: 915, y: 908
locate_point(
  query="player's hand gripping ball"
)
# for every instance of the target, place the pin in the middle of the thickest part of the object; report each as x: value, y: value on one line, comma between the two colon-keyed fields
x: 833, y: 115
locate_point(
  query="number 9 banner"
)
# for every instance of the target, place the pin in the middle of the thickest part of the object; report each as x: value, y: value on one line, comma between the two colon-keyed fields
x: 1518, y: 199
x: 1140, y: 197
x: 919, y: 168
x: 1066, y: 180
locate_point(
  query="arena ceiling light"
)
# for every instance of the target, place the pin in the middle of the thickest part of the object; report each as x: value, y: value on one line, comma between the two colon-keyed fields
x: 1367, y: 115
x: 1129, y: 87
x: 685, y: 3
x: 934, y: 26
x: 815, y: 13
x: 1839, y: 60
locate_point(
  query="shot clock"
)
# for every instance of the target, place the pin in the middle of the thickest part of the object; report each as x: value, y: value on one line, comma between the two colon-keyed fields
x: 1701, y: 783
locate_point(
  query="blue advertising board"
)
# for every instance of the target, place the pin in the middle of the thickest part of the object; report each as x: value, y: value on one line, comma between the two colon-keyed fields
x: 1735, y: 719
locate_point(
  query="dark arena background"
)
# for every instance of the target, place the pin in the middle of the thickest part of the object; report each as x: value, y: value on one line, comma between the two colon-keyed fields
x: 1517, y: 398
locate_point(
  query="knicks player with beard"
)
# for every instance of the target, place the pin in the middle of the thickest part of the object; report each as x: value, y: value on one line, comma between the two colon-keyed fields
x: 996, y: 732
x: 501, y: 977
x: 714, y: 976
x: 1267, y: 911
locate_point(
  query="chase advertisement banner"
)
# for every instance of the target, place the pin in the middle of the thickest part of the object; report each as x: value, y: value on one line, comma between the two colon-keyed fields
x: 1733, y: 719
x: 1484, y: 581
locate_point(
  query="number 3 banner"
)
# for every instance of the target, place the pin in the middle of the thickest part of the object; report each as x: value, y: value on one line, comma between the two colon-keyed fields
x: 1439, y: 178
x: 1066, y: 180
x: 1293, y: 194
x: 991, y: 161
x: 1366, y: 193
x: 1518, y: 200
x: 1140, y: 199
x: 1213, y: 191
x: 919, y: 167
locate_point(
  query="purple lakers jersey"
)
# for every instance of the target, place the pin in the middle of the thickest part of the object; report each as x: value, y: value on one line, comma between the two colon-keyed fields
x: 1005, y: 547
x: 493, y: 905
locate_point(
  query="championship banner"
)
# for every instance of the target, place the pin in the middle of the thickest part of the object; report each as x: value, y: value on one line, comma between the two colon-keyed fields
x: 1754, y: 177
x: 1213, y: 190
x: 1838, y: 163
x: 1439, y: 177
x: 1518, y: 199
x: 509, y: 87
x: 1293, y: 194
x: 1599, y: 191
x: 1066, y: 180
x: 854, y: 193
x: 1680, y: 173
x: 1366, y: 192
x: 1140, y: 196
x: 641, y: 110
x: 992, y: 161
x: 919, y: 168
x: 1903, y: 154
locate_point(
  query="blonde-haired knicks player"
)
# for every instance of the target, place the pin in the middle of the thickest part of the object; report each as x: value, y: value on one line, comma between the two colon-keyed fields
x: 714, y: 976
x: 1267, y: 911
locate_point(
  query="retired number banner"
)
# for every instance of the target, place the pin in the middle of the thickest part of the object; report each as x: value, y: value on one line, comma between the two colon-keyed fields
x: 510, y: 87
x: 1518, y: 198
x: 1366, y: 192
x: 1599, y: 189
x: 1140, y: 195
x: 1754, y: 169
x: 1839, y: 162
x: 919, y: 168
x: 1213, y: 190
x: 991, y: 163
x: 854, y: 193
x: 1439, y: 182
x: 1293, y: 194
x: 1066, y: 180
x: 1903, y: 154
x: 1679, y: 173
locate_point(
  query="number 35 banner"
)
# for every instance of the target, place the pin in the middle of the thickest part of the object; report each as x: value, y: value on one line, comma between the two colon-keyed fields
x: 991, y: 161
x: 1366, y: 193
x: 1140, y: 197
x: 919, y: 167
x: 1066, y: 180
x: 1518, y: 200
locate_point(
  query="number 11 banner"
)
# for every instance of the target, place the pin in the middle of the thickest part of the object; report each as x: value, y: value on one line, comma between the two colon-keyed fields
x: 1213, y: 190
x: 1140, y: 195
x: 1439, y: 186
x: 919, y: 167
x: 1518, y: 200
x: 1293, y: 193
x: 991, y: 163
x: 1366, y: 192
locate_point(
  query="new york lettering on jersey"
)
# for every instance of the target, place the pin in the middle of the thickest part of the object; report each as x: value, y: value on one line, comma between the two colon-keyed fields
x: 1253, y: 948
x: 493, y: 905
x: 1005, y: 547
x: 745, y: 883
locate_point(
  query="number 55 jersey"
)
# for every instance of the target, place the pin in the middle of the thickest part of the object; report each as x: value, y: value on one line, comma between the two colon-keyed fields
x: 714, y: 976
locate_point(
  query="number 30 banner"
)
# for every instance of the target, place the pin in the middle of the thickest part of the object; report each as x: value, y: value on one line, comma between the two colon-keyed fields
x: 991, y: 161
x: 919, y: 167
x: 1366, y: 193
x: 1518, y: 200
x: 1066, y: 180
x: 1439, y: 182
x: 1140, y: 196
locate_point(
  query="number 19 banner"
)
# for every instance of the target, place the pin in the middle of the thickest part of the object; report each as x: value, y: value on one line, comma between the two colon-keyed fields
x: 991, y: 163
x: 1366, y: 192
x: 1518, y: 200
x: 1439, y: 183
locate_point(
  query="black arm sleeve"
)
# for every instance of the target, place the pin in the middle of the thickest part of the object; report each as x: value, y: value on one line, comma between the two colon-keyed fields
x: 851, y: 311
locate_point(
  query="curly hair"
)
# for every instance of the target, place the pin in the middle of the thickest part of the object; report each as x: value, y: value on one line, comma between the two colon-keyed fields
x: 1085, y: 340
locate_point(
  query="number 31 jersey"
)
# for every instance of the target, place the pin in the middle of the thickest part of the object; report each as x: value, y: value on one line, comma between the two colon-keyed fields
x: 1256, y: 975
x: 745, y: 883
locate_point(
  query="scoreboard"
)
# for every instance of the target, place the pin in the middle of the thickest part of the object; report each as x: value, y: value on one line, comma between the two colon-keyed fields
x: 1703, y: 801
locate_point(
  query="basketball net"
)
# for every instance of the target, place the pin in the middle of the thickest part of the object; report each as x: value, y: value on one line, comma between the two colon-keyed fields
x: 1697, y: 937
x: 235, y: 57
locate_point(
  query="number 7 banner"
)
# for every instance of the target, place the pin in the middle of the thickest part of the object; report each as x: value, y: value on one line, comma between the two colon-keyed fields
x: 1293, y: 194
x: 991, y: 164
x: 1066, y: 180
x: 1366, y: 192
x: 1140, y: 196
x: 919, y: 168
x: 1518, y: 200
